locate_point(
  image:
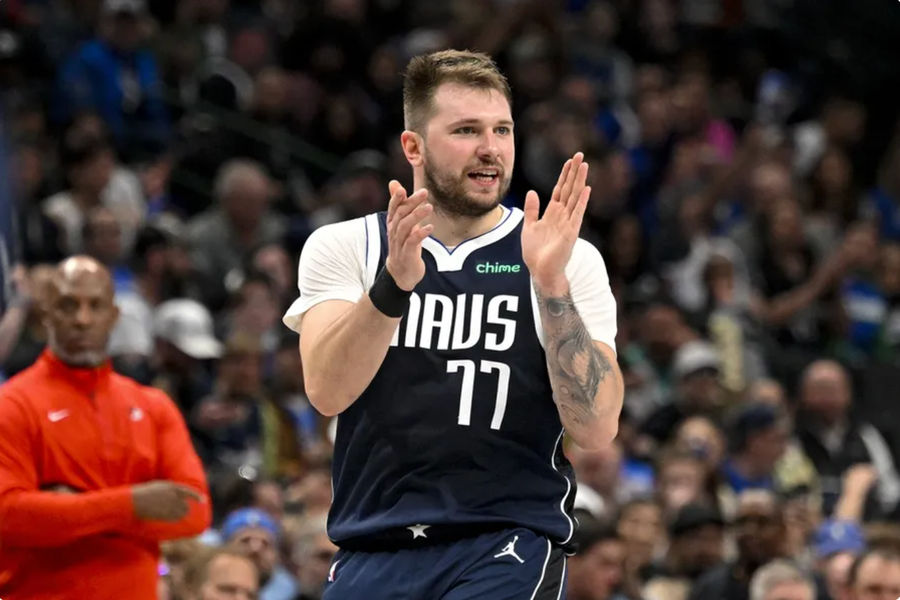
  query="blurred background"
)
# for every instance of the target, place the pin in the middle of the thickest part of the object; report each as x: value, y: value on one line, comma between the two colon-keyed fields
x: 745, y: 164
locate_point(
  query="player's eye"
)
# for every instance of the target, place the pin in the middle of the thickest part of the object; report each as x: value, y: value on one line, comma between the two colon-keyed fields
x: 503, y: 130
x: 465, y: 130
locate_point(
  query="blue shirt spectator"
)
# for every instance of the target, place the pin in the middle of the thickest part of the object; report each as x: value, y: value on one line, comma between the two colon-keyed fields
x: 113, y: 76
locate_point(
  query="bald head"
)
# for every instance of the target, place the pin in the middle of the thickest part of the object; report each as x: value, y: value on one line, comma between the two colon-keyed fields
x: 81, y: 311
x: 824, y: 368
x: 826, y: 391
x: 80, y: 268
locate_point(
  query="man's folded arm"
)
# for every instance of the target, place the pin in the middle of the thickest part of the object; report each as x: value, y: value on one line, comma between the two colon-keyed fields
x: 33, y: 518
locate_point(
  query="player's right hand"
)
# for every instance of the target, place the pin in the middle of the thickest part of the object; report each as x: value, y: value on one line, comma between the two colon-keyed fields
x: 406, y: 232
x: 163, y: 500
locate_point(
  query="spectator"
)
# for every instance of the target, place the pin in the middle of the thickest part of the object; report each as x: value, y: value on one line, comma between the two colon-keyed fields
x: 239, y: 424
x: 759, y: 536
x: 599, y: 475
x: 312, y: 554
x: 288, y: 390
x: 682, y: 479
x: 660, y: 330
x: 269, y: 497
x: 89, y: 163
x: 117, y: 473
x: 703, y: 438
x: 693, y: 115
x: 697, y: 544
x: 733, y: 322
x: 312, y: 493
x: 640, y: 526
x: 875, y: 575
x: 40, y: 235
x: 698, y: 390
x: 114, y: 76
x: 758, y: 441
x: 794, y: 470
x: 13, y: 318
x: 102, y: 239
x: 255, y: 311
x: 781, y: 580
x: 841, y: 123
x: 769, y: 183
x: 835, y: 203
x: 160, y: 270
x: 223, y: 236
x: 596, y: 572
x: 184, y: 339
x: 176, y: 555
x: 124, y: 185
x: 836, y: 545
x: 835, y: 440
x: 273, y: 260
x: 23, y: 347
x: 258, y: 535
x: 860, y: 287
x: 221, y: 574
x: 355, y: 190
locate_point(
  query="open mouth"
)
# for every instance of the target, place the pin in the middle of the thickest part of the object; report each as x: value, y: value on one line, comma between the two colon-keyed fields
x: 485, y: 176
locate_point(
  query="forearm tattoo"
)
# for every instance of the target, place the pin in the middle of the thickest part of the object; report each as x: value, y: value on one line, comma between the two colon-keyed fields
x: 577, y: 368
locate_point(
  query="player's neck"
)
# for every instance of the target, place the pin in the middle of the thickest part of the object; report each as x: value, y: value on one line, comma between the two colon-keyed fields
x: 452, y: 230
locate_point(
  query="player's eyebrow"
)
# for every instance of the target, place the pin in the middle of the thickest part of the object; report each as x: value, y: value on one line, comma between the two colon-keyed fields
x: 473, y: 121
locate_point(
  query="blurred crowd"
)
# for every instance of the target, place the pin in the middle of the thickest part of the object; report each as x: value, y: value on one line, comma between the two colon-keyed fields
x: 745, y: 167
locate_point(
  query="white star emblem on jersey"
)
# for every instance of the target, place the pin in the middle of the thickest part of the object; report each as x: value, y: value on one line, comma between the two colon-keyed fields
x: 418, y: 530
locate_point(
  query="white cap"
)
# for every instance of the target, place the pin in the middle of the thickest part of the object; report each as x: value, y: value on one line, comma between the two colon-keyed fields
x: 188, y: 326
x: 693, y: 356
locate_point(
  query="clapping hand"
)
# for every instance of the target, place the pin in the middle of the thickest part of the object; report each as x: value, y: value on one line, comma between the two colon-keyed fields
x: 547, y: 242
x: 405, y: 233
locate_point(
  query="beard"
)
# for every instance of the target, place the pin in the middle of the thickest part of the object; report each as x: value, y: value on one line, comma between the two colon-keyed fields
x: 81, y: 359
x: 449, y: 195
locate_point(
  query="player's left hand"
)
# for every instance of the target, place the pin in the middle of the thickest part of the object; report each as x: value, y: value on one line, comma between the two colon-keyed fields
x: 547, y: 242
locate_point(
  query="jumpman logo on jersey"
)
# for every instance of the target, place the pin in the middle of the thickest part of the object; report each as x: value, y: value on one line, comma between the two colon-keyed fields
x: 510, y: 550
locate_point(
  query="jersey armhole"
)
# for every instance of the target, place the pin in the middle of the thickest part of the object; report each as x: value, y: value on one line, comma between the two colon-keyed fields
x: 373, y: 250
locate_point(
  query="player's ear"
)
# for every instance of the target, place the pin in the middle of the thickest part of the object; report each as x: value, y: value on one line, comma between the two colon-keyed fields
x: 413, y: 147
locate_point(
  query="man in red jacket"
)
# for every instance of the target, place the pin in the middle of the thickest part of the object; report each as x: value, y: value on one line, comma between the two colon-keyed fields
x: 95, y: 470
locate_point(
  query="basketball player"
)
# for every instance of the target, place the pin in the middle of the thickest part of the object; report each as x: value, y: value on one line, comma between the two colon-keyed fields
x: 455, y: 371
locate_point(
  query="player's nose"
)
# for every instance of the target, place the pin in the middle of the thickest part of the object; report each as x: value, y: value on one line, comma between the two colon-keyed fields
x: 488, y: 149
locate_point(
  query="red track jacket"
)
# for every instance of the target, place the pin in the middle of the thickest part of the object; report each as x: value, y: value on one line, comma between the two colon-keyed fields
x: 100, y: 433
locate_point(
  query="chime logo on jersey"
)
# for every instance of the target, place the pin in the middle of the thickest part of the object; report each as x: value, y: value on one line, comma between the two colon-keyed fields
x: 439, y: 322
x: 495, y: 267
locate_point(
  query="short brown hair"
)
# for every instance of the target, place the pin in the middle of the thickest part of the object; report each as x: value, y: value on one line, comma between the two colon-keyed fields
x: 425, y: 73
x: 197, y: 568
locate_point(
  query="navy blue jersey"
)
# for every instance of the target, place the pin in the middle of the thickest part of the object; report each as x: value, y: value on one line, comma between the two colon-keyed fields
x: 458, y: 426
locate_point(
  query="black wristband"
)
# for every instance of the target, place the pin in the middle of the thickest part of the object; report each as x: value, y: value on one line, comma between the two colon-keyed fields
x: 387, y: 296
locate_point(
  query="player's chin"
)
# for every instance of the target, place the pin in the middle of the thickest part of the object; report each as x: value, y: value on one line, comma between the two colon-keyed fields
x: 486, y: 195
x: 482, y: 202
